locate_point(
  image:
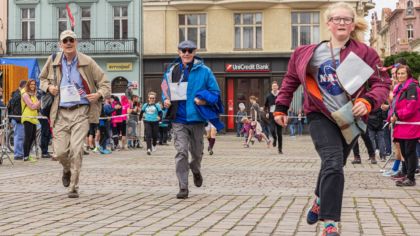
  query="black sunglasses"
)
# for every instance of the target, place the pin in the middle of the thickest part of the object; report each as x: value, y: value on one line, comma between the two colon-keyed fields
x: 71, y: 40
x: 189, y: 50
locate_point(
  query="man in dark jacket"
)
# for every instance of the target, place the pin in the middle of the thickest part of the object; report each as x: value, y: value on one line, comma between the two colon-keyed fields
x: 270, y: 106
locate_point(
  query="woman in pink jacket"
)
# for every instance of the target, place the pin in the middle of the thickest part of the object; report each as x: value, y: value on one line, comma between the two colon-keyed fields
x: 405, y: 116
x: 314, y: 67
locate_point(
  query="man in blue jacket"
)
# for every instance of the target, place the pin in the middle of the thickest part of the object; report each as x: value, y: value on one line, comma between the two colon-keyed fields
x: 182, y: 81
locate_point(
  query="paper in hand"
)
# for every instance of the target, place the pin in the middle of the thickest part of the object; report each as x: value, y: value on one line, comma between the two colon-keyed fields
x: 350, y: 127
x: 353, y: 72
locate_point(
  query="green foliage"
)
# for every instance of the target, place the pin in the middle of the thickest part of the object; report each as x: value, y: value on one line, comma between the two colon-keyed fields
x: 412, y: 58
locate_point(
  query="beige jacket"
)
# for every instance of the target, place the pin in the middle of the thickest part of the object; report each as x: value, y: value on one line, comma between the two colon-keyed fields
x: 92, y: 75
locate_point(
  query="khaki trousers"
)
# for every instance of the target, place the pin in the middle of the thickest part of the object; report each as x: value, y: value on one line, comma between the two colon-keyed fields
x: 70, y: 130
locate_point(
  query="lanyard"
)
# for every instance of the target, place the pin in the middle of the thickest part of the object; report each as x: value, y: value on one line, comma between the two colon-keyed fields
x: 68, y: 68
x: 184, y: 73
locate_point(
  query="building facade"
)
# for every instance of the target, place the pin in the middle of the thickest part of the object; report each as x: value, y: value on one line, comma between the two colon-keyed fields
x: 3, y: 27
x: 379, y: 34
x: 107, y: 30
x: 404, y: 26
x: 247, y: 44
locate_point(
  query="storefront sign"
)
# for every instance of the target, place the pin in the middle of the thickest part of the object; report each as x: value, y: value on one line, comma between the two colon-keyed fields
x: 125, y: 66
x: 248, y: 67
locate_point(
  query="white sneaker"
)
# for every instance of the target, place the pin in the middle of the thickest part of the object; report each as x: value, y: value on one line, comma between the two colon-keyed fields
x: 153, y: 148
x: 389, y: 173
x: 149, y: 152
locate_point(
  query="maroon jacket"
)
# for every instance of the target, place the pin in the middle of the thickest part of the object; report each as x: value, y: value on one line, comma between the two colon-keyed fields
x: 378, y: 86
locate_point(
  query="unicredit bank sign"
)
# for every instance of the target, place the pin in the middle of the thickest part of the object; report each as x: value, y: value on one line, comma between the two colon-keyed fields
x: 247, y: 67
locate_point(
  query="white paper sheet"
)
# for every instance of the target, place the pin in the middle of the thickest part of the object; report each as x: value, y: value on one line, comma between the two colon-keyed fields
x: 178, y: 91
x: 353, y: 72
x: 69, y: 93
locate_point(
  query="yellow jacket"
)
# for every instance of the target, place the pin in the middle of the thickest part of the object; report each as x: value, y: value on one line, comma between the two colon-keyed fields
x: 27, y: 110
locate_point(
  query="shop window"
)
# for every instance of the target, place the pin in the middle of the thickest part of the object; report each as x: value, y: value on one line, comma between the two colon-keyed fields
x: 119, y: 85
x: 305, y: 28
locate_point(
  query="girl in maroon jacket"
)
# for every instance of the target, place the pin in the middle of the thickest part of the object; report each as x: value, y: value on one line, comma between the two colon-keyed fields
x: 314, y: 67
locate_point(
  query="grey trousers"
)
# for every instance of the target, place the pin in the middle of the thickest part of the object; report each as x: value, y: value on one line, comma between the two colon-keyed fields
x: 187, y: 138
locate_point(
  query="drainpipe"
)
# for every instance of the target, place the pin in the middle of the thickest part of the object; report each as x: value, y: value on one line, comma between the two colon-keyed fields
x: 141, y: 80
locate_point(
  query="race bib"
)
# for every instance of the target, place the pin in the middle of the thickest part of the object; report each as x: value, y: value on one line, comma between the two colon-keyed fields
x: 69, y: 93
x: 272, y: 108
x: 178, y: 91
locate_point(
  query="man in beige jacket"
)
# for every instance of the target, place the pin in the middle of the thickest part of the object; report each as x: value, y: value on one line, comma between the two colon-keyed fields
x: 78, y: 84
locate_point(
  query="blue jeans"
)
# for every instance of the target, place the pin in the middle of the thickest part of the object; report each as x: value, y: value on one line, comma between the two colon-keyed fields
x: 18, y: 138
x: 299, y: 128
x: 418, y: 149
x: 387, y: 139
x: 292, y: 129
x: 378, y: 136
x: 238, y: 129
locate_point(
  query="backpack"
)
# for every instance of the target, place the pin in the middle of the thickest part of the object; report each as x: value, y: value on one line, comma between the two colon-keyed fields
x: 14, y: 107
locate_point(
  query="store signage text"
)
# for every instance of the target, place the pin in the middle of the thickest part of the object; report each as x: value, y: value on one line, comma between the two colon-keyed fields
x: 119, y: 66
x: 248, y: 67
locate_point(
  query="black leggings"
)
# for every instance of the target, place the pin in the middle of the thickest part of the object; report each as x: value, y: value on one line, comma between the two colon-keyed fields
x: 30, y: 134
x: 151, y: 129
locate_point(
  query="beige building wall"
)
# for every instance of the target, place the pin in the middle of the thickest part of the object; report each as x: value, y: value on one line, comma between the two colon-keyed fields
x: 161, y: 26
x: 3, y: 26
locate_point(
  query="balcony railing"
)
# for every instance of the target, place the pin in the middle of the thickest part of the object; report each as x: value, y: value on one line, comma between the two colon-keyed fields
x: 93, y: 46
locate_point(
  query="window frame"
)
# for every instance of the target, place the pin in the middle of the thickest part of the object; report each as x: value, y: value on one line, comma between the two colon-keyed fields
x: 410, y: 31
x: 28, y: 21
x: 197, y: 26
x: 311, y: 25
x: 120, y: 18
x: 254, y: 25
x: 410, y: 8
x: 89, y: 19
x: 60, y: 20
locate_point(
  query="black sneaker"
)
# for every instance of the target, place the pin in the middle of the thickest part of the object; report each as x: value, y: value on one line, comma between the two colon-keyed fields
x: 405, y: 183
x: 280, y: 152
x: 73, y: 194
x: 356, y: 160
x: 66, y: 178
x: 46, y: 155
x: 198, y: 179
x: 183, y: 194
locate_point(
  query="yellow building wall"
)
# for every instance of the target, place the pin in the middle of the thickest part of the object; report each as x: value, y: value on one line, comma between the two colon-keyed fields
x: 161, y: 34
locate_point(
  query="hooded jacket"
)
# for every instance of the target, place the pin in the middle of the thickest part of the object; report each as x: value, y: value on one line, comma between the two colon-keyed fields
x: 407, y: 110
x: 200, y: 78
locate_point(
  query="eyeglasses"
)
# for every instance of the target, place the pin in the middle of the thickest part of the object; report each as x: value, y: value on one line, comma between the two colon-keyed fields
x: 71, y: 40
x: 337, y: 20
x: 189, y: 50
x: 151, y: 98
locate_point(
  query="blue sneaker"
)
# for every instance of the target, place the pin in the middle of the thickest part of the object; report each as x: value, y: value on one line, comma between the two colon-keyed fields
x: 313, y: 213
x: 104, y: 151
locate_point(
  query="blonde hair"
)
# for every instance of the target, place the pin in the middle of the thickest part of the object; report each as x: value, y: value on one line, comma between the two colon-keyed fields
x: 360, y: 23
x: 151, y: 94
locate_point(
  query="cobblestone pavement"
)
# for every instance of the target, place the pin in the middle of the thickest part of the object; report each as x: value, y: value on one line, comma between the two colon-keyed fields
x: 250, y: 191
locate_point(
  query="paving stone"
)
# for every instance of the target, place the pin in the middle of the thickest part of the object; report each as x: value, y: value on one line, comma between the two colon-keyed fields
x: 250, y: 191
